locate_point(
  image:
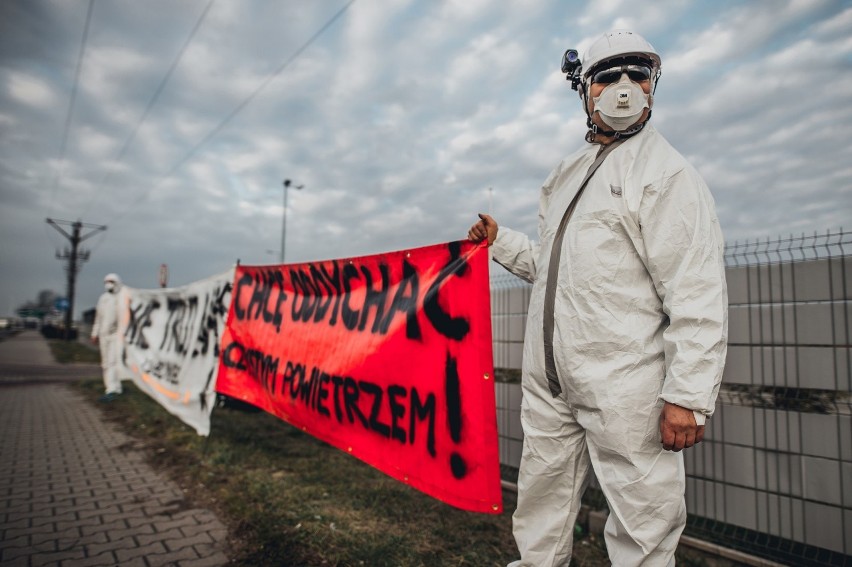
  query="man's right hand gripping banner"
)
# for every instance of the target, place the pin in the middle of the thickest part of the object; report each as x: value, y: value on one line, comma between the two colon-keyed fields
x: 386, y: 357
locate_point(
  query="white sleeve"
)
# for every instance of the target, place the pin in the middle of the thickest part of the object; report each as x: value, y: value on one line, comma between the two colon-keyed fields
x: 98, y: 319
x: 685, y: 257
x: 516, y: 252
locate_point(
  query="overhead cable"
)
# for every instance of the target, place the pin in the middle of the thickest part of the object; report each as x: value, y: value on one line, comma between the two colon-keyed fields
x: 191, y: 153
x: 71, y: 102
x: 151, y: 103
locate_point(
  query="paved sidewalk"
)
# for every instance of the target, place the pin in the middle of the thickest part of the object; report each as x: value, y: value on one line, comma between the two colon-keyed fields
x: 73, y: 491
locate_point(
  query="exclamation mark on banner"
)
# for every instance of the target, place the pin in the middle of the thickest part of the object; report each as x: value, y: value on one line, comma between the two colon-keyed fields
x: 454, y: 415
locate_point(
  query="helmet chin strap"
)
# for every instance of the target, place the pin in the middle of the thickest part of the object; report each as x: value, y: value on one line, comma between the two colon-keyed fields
x: 618, y: 135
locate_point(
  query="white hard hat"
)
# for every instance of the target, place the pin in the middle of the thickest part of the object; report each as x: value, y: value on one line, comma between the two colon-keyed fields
x: 618, y: 43
x: 112, y: 278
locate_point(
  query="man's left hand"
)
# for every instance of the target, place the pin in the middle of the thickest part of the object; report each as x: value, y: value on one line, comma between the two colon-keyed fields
x: 678, y: 429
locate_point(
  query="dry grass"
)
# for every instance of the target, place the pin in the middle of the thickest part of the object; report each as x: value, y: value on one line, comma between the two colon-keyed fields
x: 65, y: 352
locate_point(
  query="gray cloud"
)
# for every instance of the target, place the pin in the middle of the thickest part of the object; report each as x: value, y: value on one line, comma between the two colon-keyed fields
x: 397, y: 120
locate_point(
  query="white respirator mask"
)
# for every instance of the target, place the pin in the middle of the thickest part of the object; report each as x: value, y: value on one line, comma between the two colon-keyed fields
x: 109, y: 286
x: 621, y: 104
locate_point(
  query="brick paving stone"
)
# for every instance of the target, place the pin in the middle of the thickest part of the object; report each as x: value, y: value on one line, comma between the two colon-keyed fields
x: 109, y: 545
x: 134, y: 521
x: 153, y: 548
x: 50, y: 508
x: 39, y: 559
x: 15, y: 532
x: 96, y: 513
x: 22, y: 488
x: 20, y: 541
x: 17, y: 506
x: 216, y: 560
x: 180, y: 520
x: 80, y: 523
x: 158, y: 536
x: 92, y: 539
x: 196, y: 540
x: 66, y: 516
x: 87, y: 543
x: 58, y: 490
x: 138, y: 531
x: 115, y: 525
x: 76, y: 491
x: 8, y: 554
x: 193, y: 529
x: 185, y: 554
x: 15, y: 523
x: 87, y: 498
x: 67, y: 535
x: 131, y: 507
x: 105, y: 559
x: 115, y: 518
x: 78, y: 507
x: 96, y: 485
x: 18, y: 520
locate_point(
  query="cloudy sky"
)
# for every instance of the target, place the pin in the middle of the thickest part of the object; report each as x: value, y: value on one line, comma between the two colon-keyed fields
x: 175, y: 123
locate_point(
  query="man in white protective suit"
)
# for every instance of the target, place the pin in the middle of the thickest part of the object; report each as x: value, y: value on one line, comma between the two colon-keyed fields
x: 105, y: 334
x: 627, y: 326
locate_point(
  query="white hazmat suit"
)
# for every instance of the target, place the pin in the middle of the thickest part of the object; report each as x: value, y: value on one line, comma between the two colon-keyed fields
x: 640, y: 318
x: 105, y: 331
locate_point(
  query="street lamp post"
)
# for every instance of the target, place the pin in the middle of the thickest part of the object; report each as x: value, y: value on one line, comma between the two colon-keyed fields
x: 287, y: 185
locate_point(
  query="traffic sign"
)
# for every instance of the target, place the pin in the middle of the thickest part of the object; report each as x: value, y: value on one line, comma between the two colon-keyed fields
x: 30, y: 312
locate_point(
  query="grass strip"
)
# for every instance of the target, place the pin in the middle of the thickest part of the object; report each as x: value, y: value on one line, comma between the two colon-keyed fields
x: 67, y: 352
x: 290, y: 499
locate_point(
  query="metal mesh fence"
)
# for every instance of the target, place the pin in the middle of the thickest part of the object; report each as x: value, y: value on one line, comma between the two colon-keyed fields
x: 773, y: 477
x: 792, y: 248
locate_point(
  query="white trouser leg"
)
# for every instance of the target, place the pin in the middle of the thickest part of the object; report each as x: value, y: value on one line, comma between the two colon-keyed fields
x: 109, y: 363
x: 112, y: 380
x: 644, y: 488
x: 553, y: 475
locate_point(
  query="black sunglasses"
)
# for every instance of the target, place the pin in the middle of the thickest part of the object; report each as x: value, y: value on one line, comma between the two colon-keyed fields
x: 637, y: 73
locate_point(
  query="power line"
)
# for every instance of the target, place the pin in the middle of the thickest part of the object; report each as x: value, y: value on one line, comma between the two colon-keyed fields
x: 240, y: 106
x: 70, y: 112
x: 151, y: 103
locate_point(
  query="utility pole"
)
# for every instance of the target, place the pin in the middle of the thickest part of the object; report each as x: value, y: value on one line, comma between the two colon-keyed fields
x: 75, y: 257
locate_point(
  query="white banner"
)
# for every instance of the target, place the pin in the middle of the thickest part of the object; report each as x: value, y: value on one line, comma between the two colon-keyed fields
x: 170, y: 344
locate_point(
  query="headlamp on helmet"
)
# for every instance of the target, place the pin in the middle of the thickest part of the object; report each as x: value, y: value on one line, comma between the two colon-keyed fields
x: 572, y: 67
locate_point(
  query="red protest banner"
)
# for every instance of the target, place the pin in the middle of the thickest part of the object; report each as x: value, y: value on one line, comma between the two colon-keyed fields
x: 387, y: 357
